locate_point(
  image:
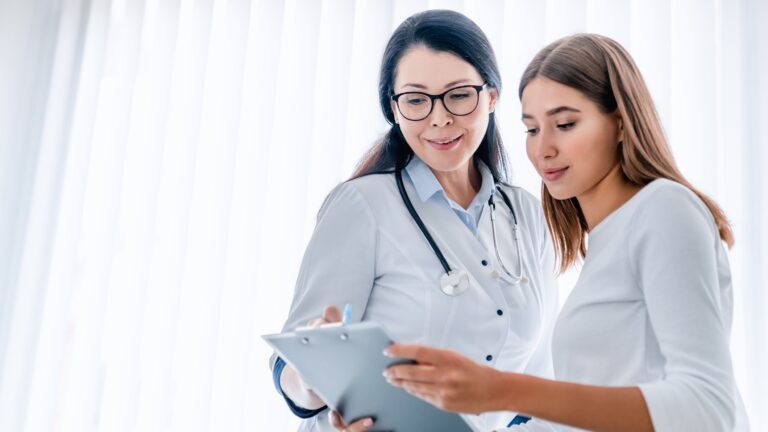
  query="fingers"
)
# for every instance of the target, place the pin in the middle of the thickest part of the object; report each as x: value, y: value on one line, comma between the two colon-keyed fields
x: 420, y: 389
x: 420, y: 353
x: 336, y: 421
x: 332, y: 314
x: 316, y: 322
x: 358, y: 426
x: 417, y: 373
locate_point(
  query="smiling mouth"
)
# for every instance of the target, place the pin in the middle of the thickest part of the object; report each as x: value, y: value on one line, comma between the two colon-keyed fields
x: 552, y: 175
x: 444, y: 142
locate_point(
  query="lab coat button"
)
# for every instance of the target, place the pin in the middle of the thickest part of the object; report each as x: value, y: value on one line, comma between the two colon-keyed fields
x: 499, y: 312
x: 489, y: 357
x: 484, y: 262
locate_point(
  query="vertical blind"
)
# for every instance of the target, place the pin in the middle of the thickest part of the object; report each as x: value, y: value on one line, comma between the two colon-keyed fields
x: 185, y: 147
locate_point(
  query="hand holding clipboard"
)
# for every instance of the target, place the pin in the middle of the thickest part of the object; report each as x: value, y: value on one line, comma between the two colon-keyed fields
x: 343, y: 365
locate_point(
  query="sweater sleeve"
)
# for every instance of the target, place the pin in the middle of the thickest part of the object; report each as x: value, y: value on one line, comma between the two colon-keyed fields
x: 674, y: 250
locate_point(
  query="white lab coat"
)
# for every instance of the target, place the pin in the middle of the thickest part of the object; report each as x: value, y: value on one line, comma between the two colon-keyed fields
x: 366, y: 250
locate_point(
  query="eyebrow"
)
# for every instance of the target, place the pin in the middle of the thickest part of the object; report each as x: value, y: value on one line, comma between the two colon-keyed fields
x: 554, y: 111
x: 450, y: 84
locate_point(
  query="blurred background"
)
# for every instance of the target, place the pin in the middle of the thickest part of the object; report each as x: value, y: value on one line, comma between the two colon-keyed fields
x: 162, y: 163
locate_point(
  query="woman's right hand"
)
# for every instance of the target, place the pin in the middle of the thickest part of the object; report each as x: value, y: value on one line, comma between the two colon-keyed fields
x: 291, y: 382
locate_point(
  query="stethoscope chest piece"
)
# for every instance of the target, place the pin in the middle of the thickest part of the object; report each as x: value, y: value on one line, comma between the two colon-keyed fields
x: 454, y: 282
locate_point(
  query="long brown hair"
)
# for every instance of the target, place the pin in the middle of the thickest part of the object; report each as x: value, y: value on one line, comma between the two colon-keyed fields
x: 602, y: 70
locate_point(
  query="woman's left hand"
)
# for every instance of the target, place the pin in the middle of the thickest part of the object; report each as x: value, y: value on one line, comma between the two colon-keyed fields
x: 445, y: 379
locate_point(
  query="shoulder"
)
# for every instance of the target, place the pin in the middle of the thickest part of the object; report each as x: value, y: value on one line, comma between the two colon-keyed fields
x: 530, y: 214
x: 665, y: 190
x: 670, y: 210
x: 371, y: 183
x: 360, y: 193
x: 522, y: 199
x: 667, y: 200
x: 520, y: 193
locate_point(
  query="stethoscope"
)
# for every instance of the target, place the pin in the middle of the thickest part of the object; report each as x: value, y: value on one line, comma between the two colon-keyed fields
x: 456, y: 281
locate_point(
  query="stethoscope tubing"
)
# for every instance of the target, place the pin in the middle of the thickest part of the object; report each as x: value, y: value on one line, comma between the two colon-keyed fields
x: 423, y: 228
x: 415, y: 216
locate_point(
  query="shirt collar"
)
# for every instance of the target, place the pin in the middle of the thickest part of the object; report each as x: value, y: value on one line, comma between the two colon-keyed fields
x: 426, y: 184
x: 486, y: 188
x: 423, y: 179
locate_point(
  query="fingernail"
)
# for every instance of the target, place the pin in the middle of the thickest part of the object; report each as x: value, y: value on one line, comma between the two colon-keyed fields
x: 387, y: 353
x: 367, y: 422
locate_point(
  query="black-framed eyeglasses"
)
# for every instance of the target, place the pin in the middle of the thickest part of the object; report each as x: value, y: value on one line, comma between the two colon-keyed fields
x: 459, y: 101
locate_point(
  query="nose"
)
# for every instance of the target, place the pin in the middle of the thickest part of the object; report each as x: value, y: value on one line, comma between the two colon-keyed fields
x: 439, y: 115
x: 544, y: 146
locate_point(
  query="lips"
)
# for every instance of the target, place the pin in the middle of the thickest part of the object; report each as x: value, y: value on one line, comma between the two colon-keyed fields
x: 444, y: 143
x: 553, y: 174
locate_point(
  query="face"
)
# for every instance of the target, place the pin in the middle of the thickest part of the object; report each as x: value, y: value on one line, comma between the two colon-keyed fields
x: 570, y: 142
x: 444, y: 141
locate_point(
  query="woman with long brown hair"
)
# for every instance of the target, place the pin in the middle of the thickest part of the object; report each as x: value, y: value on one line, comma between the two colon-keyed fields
x: 642, y: 342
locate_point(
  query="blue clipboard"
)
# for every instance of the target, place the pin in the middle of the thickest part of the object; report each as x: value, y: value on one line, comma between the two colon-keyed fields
x: 344, y: 365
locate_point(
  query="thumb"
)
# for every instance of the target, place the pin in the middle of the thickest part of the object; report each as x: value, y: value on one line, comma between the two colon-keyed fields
x: 332, y: 314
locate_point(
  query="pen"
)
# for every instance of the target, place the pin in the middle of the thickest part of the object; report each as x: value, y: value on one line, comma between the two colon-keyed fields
x: 347, y: 314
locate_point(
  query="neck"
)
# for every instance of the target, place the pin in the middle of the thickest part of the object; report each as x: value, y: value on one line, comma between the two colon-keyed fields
x: 605, y: 197
x: 460, y: 185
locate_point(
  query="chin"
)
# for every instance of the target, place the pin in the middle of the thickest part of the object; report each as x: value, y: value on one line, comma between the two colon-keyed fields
x: 559, y: 194
x: 446, y: 164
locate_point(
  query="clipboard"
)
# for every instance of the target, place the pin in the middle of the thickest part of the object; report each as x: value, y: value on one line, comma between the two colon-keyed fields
x: 344, y: 365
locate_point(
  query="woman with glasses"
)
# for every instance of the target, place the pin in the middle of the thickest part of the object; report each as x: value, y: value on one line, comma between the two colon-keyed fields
x: 426, y: 238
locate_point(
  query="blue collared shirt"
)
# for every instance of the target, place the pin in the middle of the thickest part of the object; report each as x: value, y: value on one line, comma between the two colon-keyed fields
x: 427, y: 188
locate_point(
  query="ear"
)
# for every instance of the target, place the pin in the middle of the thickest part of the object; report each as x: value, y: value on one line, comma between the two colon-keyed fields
x: 395, y: 111
x: 493, y: 98
x: 620, y: 129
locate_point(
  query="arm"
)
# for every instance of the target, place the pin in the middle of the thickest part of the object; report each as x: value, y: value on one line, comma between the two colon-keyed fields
x: 338, y: 267
x: 291, y: 385
x: 290, y: 381
x: 588, y: 407
x: 685, y: 282
x: 455, y: 383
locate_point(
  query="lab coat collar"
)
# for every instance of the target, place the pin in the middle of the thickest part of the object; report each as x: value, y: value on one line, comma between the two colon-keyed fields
x: 461, y: 248
x: 426, y: 184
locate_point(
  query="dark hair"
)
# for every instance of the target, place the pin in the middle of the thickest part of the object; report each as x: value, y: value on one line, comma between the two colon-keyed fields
x: 603, y: 71
x: 442, y: 31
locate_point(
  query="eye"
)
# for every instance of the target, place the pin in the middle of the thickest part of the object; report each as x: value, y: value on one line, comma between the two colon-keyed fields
x: 532, y: 131
x: 566, y: 126
x: 416, y: 100
x: 459, y: 95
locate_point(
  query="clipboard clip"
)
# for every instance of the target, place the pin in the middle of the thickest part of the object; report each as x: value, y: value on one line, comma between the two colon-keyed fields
x: 305, y: 339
